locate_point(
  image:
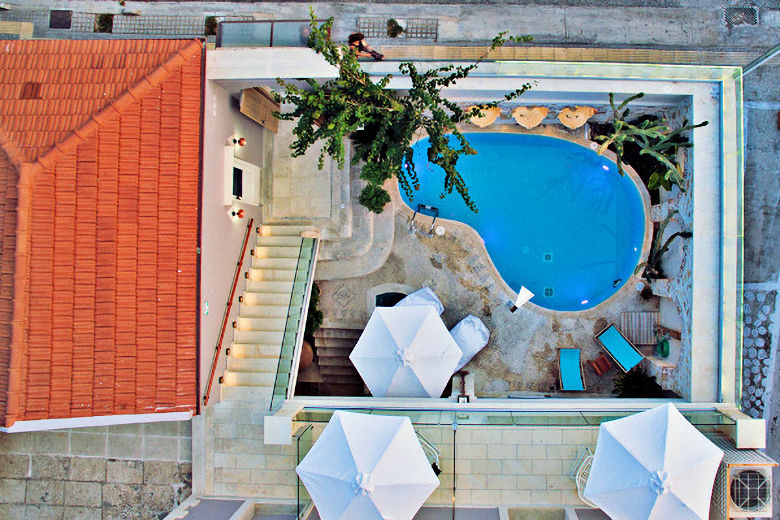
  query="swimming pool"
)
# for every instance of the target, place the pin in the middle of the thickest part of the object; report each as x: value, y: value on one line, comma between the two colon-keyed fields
x: 554, y: 216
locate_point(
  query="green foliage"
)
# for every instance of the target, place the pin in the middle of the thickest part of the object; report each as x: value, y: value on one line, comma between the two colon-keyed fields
x: 210, y: 27
x: 314, y: 316
x: 374, y: 197
x: 104, y: 23
x: 394, y: 29
x: 636, y: 383
x: 382, y: 122
x: 653, y: 137
x: 652, y: 268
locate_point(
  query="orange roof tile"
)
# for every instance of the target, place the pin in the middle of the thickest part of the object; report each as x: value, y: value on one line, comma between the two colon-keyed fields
x: 98, y: 306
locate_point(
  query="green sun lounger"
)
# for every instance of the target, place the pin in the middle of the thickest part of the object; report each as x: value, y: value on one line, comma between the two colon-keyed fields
x: 570, y: 370
x: 619, y: 348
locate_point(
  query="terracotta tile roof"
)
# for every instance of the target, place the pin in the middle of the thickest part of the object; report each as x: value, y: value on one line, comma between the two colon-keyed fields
x: 103, y: 139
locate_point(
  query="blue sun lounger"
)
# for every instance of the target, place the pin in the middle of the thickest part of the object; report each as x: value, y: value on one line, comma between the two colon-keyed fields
x: 570, y: 370
x: 619, y: 348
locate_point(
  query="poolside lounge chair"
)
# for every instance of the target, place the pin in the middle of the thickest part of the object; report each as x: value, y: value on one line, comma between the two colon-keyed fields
x: 570, y: 370
x: 622, y: 351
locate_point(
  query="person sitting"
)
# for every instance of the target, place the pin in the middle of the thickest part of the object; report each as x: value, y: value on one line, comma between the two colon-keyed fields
x: 357, y: 44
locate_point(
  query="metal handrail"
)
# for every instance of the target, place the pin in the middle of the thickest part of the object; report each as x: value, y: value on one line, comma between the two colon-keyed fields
x: 226, y: 316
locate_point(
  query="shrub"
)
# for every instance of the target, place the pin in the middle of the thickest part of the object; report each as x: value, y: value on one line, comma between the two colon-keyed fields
x: 210, y: 27
x: 394, y: 29
x: 104, y: 23
x: 636, y: 383
x: 374, y: 198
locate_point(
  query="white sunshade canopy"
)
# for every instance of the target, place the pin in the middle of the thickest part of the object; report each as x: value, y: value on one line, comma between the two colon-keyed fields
x: 405, y: 352
x: 366, y: 467
x: 653, y: 465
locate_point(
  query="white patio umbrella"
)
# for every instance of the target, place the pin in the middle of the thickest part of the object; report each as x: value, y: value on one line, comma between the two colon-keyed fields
x: 366, y: 467
x: 653, y: 465
x: 405, y: 352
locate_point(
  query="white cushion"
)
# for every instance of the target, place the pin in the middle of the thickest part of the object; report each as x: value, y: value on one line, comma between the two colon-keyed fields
x: 424, y: 296
x: 471, y: 335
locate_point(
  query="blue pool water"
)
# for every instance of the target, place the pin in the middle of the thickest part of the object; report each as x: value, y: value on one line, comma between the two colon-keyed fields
x: 554, y: 215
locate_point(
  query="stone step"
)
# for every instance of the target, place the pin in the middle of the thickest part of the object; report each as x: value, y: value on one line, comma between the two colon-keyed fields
x: 256, y: 379
x: 279, y: 240
x: 267, y: 311
x: 268, y: 230
x: 263, y: 337
x: 247, y: 393
x: 337, y: 333
x: 274, y: 263
x: 256, y: 350
x: 343, y: 379
x: 326, y: 370
x: 276, y: 275
x: 267, y: 324
x: 261, y: 364
x: 333, y: 361
x: 339, y: 343
x: 284, y: 287
x: 273, y: 298
x: 282, y: 252
x: 338, y: 352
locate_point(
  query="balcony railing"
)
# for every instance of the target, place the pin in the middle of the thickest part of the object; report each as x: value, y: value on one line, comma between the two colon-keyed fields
x: 263, y: 33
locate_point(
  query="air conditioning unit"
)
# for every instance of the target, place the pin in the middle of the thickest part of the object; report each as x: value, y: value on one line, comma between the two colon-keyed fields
x: 743, y: 484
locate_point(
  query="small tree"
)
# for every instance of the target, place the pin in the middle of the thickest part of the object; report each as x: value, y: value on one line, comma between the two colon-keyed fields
x: 383, y: 122
x: 653, y: 137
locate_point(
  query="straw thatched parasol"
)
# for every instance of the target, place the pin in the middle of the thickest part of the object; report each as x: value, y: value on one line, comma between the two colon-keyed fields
x: 489, y: 116
x: 575, y: 117
x: 529, y: 117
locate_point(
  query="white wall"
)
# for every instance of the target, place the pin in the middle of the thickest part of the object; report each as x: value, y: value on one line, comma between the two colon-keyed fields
x: 222, y: 235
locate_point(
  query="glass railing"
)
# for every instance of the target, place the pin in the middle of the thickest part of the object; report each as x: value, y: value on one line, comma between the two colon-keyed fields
x: 507, y: 452
x: 699, y: 418
x: 263, y: 33
x: 295, y: 322
x: 303, y: 443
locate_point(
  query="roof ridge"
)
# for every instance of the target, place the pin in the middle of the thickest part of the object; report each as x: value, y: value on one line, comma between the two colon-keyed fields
x: 11, y: 150
x: 134, y: 93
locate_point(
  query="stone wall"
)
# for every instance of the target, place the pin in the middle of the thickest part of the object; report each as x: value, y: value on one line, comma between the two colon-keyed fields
x: 120, y: 472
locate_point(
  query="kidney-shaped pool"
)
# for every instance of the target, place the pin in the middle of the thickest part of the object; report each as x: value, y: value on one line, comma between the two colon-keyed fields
x: 555, y: 216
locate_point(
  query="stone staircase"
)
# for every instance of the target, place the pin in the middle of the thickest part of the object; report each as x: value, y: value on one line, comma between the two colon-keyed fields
x: 338, y: 375
x: 260, y: 346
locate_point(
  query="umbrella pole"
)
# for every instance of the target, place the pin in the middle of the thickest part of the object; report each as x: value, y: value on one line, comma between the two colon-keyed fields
x: 454, y: 461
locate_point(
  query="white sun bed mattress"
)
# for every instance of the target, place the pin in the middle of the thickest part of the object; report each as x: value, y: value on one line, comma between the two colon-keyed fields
x: 424, y: 296
x: 471, y: 336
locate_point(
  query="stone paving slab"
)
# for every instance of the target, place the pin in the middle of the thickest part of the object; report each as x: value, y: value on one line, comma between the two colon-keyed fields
x: 95, y: 473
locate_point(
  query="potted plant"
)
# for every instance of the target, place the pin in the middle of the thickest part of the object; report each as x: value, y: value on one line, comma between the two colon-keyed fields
x: 104, y: 23
x: 394, y: 29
